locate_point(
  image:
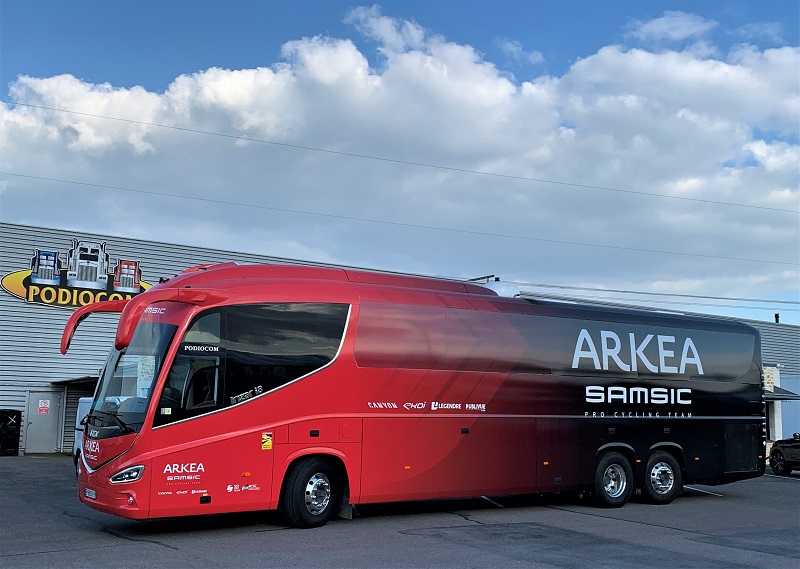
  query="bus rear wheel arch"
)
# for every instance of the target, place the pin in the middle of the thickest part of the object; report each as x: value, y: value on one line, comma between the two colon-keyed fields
x: 613, y: 480
x: 663, y: 478
x: 312, y: 492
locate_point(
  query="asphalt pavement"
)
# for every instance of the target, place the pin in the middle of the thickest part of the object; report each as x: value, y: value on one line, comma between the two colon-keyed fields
x: 749, y: 524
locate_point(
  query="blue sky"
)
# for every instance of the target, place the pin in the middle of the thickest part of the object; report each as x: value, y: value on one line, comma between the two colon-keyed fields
x: 150, y: 42
x: 643, y: 146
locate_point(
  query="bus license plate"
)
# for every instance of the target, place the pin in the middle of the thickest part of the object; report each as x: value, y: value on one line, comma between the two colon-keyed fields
x: 89, y: 493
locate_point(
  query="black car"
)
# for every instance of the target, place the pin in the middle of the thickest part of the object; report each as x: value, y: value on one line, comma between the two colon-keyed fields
x: 785, y: 455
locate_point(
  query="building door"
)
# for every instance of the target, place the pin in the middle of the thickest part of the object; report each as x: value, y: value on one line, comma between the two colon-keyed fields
x: 42, y: 421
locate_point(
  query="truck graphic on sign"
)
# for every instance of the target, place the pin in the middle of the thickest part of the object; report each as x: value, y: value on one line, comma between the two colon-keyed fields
x: 45, y: 268
x: 127, y: 276
x: 87, y: 265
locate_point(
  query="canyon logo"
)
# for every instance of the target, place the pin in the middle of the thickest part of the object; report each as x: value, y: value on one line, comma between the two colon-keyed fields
x: 85, y: 277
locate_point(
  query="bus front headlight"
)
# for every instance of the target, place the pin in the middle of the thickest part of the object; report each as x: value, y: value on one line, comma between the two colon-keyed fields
x: 131, y: 474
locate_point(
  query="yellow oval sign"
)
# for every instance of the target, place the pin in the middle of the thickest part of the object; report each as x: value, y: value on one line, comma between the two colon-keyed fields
x: 19, y: 284
x: 12, y: 283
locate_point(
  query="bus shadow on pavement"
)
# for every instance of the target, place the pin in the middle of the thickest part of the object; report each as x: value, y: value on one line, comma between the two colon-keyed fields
x: 263, y: 521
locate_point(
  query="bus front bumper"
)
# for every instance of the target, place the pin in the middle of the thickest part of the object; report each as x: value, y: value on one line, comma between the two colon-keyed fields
x: 127, y: 500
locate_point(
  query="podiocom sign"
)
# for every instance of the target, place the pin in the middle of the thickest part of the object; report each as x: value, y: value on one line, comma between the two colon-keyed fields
x: 86, y: 278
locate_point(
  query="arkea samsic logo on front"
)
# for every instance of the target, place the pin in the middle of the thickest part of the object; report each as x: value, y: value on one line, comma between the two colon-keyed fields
x: 86, y: 278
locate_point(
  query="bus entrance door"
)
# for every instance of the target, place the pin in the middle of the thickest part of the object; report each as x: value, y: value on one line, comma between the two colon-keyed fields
x: 231, y: 475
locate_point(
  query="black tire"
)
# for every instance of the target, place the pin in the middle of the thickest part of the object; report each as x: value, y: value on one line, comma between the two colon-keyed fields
x: 663, y: 479
x: 777, y: 462
x: 313, y: 493
x: 76, y: 461
x: 613, y: 481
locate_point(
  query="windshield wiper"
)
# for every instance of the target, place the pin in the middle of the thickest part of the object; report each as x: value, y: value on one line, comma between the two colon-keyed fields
x: 125, y: 428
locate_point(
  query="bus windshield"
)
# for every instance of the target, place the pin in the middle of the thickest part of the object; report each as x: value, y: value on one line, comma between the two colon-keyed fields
x: 127, y: 381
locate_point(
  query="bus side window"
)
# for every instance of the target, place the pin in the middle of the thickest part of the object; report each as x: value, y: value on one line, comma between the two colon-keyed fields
x: 194, y: 383
x: 270, y: 345
x: 192, y: 388
x: 205, y: 330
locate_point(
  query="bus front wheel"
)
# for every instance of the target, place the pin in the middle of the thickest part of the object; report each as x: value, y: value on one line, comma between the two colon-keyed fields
x: 662, y: 478
x: 613, y: 481
x: 312, y: 493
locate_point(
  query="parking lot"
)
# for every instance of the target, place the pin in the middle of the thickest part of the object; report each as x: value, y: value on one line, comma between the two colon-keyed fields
x: 748, y: 524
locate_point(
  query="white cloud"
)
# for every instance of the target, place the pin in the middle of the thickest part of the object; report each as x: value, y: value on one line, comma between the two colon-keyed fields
x: 675, y: 123
x: 757, y: 88
x: 395, y: 36
x: 83, y: 130
x: 515, y: 51
x: 673, y: 26
x: 776, y: 157
x: 769, y: 31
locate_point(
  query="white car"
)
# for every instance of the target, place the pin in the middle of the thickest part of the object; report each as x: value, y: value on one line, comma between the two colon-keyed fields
x: 84, y: 405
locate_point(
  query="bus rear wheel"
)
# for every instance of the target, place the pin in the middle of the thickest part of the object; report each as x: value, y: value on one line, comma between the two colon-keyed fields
x: 663, y: 481
x: 613, y: 481
x: 312, y: 493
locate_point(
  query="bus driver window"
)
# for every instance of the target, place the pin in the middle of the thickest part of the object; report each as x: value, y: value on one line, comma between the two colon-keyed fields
x: 193, y: 384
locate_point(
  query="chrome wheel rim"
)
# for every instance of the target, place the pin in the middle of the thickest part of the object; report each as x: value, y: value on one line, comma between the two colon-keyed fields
x: 318, y: 494
x: 662, y: 479
x: 776, y: 461
x: 614, y: 481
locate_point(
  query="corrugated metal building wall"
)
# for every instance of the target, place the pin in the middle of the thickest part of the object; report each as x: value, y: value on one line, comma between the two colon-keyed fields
x: 73, y: 394
x: 780, y: 344
x: 30, y: 334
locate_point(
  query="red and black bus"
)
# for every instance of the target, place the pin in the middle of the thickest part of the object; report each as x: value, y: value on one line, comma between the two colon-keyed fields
x: 308, y: 389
